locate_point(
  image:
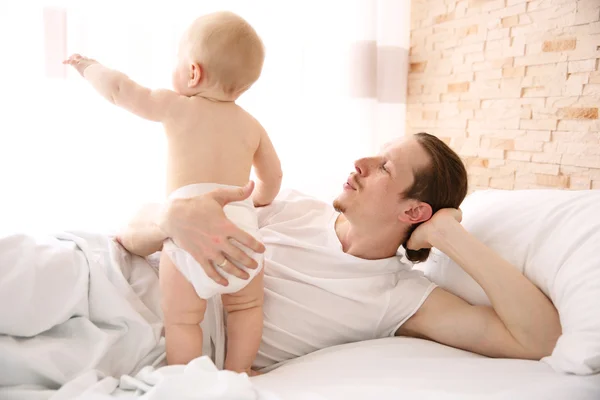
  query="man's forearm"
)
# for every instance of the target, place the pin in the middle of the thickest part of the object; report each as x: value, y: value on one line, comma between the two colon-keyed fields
x: 143, y: 236
x: 525, y: 311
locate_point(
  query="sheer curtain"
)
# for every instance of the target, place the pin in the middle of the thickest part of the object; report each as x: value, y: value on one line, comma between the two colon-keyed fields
x: 333, y: 89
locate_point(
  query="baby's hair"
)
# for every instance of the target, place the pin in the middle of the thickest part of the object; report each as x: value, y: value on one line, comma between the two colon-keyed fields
x: 229, y: 50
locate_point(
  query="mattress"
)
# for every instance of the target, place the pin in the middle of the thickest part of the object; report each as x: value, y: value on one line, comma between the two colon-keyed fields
x: 396, y: 368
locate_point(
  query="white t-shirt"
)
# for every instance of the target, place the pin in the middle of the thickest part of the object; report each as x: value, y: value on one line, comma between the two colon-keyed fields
x: 317, y: 296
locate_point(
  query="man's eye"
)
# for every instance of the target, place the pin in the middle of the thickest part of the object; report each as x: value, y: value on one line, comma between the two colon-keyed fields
x: 384, y: 168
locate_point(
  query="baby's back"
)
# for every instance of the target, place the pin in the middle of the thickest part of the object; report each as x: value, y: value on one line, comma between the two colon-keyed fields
x: 210, y: 141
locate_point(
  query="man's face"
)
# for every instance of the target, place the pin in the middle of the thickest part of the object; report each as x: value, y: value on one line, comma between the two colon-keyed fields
x: 372, y: 193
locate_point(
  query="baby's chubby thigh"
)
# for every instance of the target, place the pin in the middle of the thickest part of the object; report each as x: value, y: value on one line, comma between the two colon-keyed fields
x: 180, y: 303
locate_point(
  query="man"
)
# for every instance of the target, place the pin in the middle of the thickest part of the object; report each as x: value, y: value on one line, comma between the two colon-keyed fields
x: 333, y: 280
x: 412, y: 181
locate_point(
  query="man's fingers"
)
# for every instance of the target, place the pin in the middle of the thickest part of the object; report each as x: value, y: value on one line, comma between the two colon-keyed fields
x: 232, y: 269
x: 247, y: 240
x: 237, y: 255
x: 210, y: 270
x: 224, y: 196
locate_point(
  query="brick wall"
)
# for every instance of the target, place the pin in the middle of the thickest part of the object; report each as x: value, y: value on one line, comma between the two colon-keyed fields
x: 513, y: 86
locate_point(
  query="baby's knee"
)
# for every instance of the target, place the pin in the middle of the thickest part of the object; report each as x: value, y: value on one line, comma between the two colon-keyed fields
x: 184, y: 314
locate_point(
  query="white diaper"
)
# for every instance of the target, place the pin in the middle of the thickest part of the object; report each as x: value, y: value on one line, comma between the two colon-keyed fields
x: 241, y: 213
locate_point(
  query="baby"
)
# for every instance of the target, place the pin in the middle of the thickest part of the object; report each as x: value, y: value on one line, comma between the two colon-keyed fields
x: 212, y: 142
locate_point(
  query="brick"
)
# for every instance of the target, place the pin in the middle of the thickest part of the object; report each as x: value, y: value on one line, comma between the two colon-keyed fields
x: 443, y: 18
x: 540, y: 59
x: 508, y: 11
x: 479, y: 181
x: 548, y: 158
x: 478, y: 162
x: 587, y: 17
x: 528, y: 145
x: 502, y: 123
x: 594, y: 77
x: 557, y: 181
x: 502, y: 144
x: 581, y: 137
x: 578, y: 113
x: 468, y: 105
x: 560, y: 102
x: 494, y: 163
x: 550, y: 69
x: 490, y: 5
x: 417, y: 67
x: 543, y: 136
x: 577, y: 183
x: 510, y: 87
x: 429, y: 114
x: 459, y: 87
x: 583, y: 125
x: 511, y: 21
x: 462, y: 77
x: 513, y: 72
x: 582, y: 66
x: 474, y: 57
x: 559, y: 45
x: 491, y: 153
x: 548, y: 169
x: 498, y: 34
x: 502, y: 183
x: 513, y: 2
x: 487, y: 75
x: 538, y: 124
x: 591, y: 89
x: 595, y: 185
x: 581, y: 161
x: 544, y: 113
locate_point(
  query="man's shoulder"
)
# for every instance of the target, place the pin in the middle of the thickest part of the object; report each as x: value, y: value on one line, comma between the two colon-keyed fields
x: 291, y: 203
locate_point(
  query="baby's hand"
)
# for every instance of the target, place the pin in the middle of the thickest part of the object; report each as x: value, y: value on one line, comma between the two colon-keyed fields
x: 79, y: 62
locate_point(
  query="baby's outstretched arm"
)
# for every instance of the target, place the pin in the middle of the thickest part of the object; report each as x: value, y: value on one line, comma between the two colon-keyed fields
x: 244, y: 325
x: 116, y: 87
x: 268, y: 172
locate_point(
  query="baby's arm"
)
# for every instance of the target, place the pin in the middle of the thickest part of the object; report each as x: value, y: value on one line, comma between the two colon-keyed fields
x: 244, y: 325
x: 116, y: 87
x: 268, y: 172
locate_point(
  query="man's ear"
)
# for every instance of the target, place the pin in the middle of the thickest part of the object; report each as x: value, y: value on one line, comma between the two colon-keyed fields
x: 418, y: 212
x: 195, y: 75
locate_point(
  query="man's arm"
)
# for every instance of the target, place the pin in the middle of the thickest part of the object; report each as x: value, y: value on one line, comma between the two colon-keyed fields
x: 116, y: 87
x: 523, y: 323
x: 143, y: 236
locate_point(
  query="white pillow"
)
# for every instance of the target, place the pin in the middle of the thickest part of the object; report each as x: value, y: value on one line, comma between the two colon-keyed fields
x: 553, y: 237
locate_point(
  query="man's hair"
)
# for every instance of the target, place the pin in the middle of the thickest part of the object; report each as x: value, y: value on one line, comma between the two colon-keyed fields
x: 229, y: 50
x: 442, y: 184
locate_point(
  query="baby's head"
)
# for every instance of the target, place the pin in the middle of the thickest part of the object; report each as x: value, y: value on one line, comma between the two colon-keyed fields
x: 221, y: 55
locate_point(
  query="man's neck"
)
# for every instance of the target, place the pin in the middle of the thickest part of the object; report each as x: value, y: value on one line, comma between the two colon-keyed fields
x: 365, y: 241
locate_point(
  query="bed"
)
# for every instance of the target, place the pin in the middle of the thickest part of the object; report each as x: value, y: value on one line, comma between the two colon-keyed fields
x: 552, y: 237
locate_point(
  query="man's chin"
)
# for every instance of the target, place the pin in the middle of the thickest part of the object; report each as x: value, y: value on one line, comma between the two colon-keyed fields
x: 338, y: 206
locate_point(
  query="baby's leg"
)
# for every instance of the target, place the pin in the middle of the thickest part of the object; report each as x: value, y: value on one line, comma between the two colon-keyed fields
x: 183, y: 312
x: 244, y: 324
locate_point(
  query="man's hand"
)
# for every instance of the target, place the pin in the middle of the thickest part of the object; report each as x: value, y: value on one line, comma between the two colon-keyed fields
x: 199, y: 226
x: 421, y: 237
x: 79, y: 62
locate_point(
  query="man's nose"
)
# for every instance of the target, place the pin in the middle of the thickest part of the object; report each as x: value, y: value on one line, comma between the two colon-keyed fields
x: 362, y: 166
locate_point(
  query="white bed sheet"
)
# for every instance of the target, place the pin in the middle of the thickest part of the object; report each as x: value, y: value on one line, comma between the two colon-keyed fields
x: 406, y: 368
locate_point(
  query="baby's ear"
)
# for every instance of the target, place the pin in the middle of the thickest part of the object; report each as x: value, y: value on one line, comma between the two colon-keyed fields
x: 195, y: 76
